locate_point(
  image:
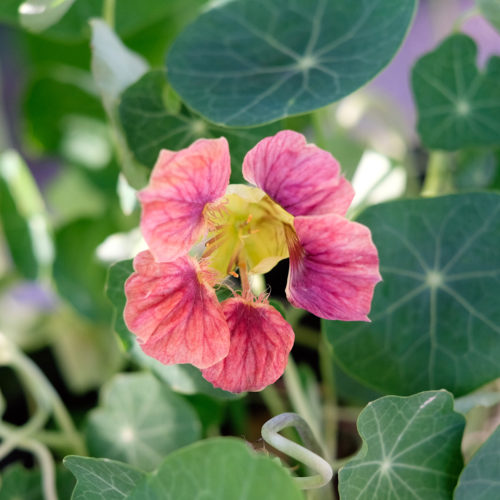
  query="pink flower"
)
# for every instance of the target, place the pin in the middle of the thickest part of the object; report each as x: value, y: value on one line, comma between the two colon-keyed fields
x: 295, y: 209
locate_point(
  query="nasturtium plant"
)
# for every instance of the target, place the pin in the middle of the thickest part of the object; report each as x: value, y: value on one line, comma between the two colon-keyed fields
x: 222, y: 244
x: 247, y: 62
x: 411, y: 449
x: 458, y: 104
x: 427, y: 329
x: 139, y: 421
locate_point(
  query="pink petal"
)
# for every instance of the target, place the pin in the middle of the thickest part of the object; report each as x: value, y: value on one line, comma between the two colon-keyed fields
x: 260, y: 342
x: 181, y: 185
x: 333, y: 268
x: 302, y: 178
x: 174, y: 313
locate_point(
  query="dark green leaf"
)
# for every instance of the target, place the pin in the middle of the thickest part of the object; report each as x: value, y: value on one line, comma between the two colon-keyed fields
x: 18, y: 483
x: 115, y: 290
x: 490, y: 9
x: 222, y: 469
x: 480, y: 480
x: 139, y: 421
x: 247, y: 62
x: 435, y: 317
x: 101, y: 478
x: 457, y: 105
x: 150, y: 125
x: 23, y: 218
x: 411, y: 450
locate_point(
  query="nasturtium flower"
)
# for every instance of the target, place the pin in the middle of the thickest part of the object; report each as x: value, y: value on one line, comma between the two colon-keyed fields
x: 200, y: 230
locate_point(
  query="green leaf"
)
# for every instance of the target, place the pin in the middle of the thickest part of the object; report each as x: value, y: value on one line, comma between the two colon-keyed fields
x: 114, y: 68
x: 78, y: 275
x: 115, y: 290
x: 480, y: 480
x: 247, y: 62
x: 220, y: 468
x: 150, y: 125
x: 185, y: 379
x: 435, y: 317
x: 23, y: 218
x: 490, y: 9
x: 45, y: 125
x: 18, y: 483
x: 457, y: 105
x: 411, y: 450
x: 101, y: 478
x: 139, y: 421
x: 38, y: 15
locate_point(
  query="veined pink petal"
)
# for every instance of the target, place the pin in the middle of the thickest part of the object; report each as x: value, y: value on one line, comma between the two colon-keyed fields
x: 174, y: 313
x: 333, y: 268
x: 181, y: 184
x: 260, y: 343
x: 302, y: 178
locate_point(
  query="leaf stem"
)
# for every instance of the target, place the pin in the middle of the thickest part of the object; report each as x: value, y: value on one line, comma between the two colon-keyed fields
x: 308, y: 456
x: 109, y: 13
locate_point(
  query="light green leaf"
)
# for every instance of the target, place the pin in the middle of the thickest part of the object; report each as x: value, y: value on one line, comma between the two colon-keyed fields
x: 490, y: 9
x: 435, y: 317
x: 457, y: 105
x: 38, y: 15
x: 139, y: 421
x: 222, y: 469
x: 185, y: 379
x: 247, y: 62
x: 114, y: 66
x: 19, y: 483
x: 78, y: 275
x: 411, y: 450
x: 23, y: 217
x: 484, y: 399
x: 150, y: 125
x: 480, y: 480
x: 101, y: 478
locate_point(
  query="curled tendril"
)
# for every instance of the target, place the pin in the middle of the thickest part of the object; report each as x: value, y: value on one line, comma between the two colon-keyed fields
x: 309, y: 455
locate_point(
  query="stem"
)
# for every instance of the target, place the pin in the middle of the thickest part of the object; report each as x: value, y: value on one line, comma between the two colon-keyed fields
x: 43, y: 393
x: 109, y: 13
x: 438, y: 178
x: 297, y: 396
x: 273, y: 400
x: 464, y: 17
x: 308, y: 457
x: 330, y: 411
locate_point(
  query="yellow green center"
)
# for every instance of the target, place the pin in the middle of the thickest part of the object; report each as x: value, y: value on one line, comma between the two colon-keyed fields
x: 247, y: 228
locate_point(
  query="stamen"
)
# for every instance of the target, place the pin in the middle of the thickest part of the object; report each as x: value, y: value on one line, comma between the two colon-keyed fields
x: 234, y: 274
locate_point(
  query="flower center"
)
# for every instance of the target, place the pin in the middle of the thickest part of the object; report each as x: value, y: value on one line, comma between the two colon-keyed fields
x: 247, y: 231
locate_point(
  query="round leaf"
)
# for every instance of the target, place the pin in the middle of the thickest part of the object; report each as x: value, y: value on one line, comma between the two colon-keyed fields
x: 247, y: 62
x: 411, y: 450
x: 101, y: 478
x: 140, y: 421
x: 490, y: 9
x: 222, y: 469
x: 457, y: 105
x: 435, y: 317
x: 480, y: 479
x: 150, y: 125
